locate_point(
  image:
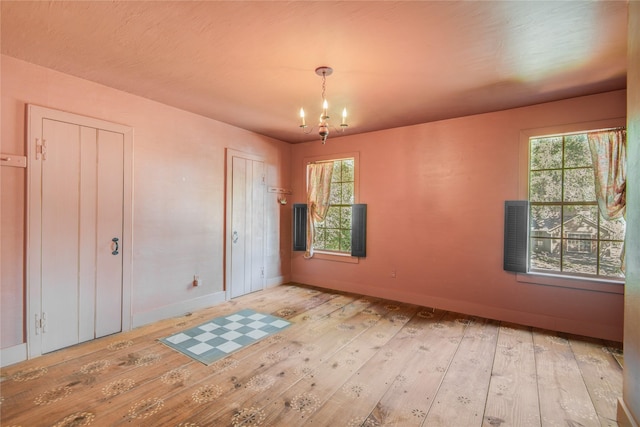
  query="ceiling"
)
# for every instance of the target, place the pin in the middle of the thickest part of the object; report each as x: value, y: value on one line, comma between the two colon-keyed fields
x: 251, y: 64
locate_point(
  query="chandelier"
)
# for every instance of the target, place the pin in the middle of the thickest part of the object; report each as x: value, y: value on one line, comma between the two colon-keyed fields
x: 323, y: 124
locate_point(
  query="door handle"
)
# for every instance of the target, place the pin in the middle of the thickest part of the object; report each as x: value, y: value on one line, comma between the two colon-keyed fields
x: 234, y: 237
x: 115, y: 250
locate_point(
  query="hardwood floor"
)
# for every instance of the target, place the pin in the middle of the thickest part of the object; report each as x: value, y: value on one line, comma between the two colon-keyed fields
x: 347, y: 360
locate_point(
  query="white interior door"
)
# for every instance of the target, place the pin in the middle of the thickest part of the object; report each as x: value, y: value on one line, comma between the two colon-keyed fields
x: 245, y: 220
x: 76, y: 229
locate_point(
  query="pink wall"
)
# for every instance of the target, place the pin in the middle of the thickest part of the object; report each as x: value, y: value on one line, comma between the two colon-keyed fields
x: 435, y: 195
x: 179, y: 191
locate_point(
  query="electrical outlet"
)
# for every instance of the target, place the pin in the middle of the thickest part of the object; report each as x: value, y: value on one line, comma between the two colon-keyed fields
x: 196, y: 280
x: 393, y: 274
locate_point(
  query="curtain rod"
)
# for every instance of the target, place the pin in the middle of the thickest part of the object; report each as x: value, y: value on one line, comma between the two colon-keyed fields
x: 328, y: 161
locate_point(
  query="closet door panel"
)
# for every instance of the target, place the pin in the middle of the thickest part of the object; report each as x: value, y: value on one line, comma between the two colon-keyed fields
x: 256, y: 244
x: 60, y: 235
x: 239, y: 210
x: 87, y: 235
x: 110, y: 219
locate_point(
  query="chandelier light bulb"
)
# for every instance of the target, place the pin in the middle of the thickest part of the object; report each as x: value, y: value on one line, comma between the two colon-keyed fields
x: 302, y: 124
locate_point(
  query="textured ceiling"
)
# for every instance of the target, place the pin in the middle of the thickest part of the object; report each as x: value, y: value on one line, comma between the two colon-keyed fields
x: 251, y: 64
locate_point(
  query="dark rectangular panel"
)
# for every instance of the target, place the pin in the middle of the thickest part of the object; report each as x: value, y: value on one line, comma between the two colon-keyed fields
x: 359, y: 230
x: 299, y: 226
x: 516, y: 231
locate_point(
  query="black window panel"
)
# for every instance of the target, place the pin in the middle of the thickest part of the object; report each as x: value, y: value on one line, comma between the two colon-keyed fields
x: 516, y: 226
x: 300, y: 227
x: 359, y: 230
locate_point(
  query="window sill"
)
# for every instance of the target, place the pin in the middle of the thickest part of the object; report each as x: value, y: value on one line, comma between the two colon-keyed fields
x: 572, y: 282
x: 330, y: 256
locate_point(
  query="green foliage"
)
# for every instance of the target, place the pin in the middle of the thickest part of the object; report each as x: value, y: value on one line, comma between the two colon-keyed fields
x: 576, y: 151
x: 545, y: 186
x: 579, y: 185
x: 546, y: 153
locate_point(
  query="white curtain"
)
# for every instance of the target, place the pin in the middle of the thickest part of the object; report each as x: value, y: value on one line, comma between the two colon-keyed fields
x: 609, y: 155
x: 318, y: 191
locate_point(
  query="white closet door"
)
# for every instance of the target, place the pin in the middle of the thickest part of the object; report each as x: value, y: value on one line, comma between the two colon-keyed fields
x: 80, y: 193
x: 247, y: 230
x: 82, y: 224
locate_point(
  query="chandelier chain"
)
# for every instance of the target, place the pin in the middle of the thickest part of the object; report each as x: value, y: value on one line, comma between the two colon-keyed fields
x: 324, y: 79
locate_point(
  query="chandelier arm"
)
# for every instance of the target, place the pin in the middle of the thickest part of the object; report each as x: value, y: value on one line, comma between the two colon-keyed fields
x: 339, y: 129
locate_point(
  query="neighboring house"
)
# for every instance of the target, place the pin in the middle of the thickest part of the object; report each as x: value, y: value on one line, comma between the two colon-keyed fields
x: 579, y: 235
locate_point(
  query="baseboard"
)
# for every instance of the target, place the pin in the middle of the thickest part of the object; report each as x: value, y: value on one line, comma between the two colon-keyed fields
x: 276, y: 281
x: 625, y: 418
x: 11, y: 355
x: 470, y: 308
x: 178, y: 309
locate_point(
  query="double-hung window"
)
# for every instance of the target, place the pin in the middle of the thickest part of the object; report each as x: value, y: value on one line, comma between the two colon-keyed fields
x: 330, y: 223
x: 568, y: 235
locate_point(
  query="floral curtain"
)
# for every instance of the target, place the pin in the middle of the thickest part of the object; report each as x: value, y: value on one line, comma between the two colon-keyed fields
x: 609, y: 154
x: 318, y: 191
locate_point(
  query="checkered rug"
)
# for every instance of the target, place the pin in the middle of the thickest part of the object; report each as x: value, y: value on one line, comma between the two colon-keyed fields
x: 223, y: 335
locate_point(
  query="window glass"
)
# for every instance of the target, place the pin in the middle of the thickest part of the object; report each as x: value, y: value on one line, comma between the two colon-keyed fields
x: 546, y: 153
x: 333, y: 234
x: 567, y: 233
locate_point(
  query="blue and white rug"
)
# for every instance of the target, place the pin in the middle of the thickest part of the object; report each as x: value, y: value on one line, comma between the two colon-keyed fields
x: 223, y: 335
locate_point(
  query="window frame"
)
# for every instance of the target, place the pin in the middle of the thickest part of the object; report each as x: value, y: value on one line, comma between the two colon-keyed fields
x: 331, y: 255
x: 596, y: 284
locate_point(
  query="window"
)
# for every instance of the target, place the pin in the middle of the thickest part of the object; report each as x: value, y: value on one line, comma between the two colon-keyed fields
x: 568, y: 235
x: 333, y: 234
x: 330, y: 224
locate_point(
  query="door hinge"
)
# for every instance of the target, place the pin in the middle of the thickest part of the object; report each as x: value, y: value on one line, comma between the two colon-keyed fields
x: 41, y: 323
x: 41, y: 149
x: 262, y: 272
x: 264, y: 179
x: 38, y: 324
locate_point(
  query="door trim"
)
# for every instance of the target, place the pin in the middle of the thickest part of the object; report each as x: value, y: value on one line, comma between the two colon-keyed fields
x: 230, y: 154
x: 35, y: 115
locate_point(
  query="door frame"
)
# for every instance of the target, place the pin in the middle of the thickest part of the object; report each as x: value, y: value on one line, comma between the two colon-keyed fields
x: 33, y: 303
x: 229, y: 155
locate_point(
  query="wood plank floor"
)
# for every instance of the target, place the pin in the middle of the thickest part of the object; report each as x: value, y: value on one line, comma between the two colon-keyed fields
x: 347, y: 360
